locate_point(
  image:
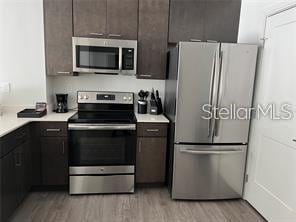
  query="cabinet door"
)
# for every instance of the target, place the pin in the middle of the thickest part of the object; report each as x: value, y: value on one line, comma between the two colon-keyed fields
x: 122, y: 19
x: 151, y: 160
x: 8, y: 186
x: 222, y: 20
x: 186, y: 20
x: 58, y: 36
x: 20, y: 168
x: 54, y: 160
x: 36, y: 153
x: 152, y: 38
x: 89, y: 18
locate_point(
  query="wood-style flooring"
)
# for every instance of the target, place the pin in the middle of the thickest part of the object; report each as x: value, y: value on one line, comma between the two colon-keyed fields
x: 147, y: 204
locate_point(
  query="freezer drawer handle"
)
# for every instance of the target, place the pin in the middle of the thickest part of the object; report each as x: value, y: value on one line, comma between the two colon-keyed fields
x: 216, y: 152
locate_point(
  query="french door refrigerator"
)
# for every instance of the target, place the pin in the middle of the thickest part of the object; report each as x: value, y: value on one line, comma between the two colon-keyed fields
x: 208, y: 151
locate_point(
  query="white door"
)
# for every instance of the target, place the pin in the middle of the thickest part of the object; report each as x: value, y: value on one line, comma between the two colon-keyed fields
x: 271, y: 169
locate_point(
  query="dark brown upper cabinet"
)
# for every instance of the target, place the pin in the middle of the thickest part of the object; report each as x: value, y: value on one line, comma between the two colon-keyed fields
x: 122, y: 19
x: 186, y: 20
x: 152, y: 38
x: 106, y: 18
x: 222, y: 20
x: 204, y: 20
x: 58, y: 36
x: 90, y: 18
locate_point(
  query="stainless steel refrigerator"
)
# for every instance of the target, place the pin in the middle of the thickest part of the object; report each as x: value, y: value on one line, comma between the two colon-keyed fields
x: 208, y: 155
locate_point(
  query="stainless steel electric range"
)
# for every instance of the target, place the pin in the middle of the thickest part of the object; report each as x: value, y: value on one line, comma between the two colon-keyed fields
x: 102, y: 143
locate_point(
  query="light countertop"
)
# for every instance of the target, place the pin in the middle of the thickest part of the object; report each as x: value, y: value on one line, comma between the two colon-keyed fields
x: 9, y: 121
x: 148, y: 118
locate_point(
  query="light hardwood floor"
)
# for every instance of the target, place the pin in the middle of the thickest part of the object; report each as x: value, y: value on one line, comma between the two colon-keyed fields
x: 147, y: 204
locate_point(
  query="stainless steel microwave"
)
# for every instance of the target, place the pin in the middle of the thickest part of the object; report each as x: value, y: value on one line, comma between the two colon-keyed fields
x: 104, y: 56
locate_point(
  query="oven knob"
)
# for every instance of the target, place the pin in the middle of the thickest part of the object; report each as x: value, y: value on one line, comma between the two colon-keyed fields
x: 129, y: 98
x: 80, y: 97
x: 124, y: 98
x: 85, y: 97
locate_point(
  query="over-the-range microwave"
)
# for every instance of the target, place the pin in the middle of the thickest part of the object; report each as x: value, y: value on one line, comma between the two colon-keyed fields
x: 104, y: 56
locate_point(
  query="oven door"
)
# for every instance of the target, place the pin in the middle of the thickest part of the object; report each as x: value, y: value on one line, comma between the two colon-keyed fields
x: 102, y: 145
x: 96, y: 56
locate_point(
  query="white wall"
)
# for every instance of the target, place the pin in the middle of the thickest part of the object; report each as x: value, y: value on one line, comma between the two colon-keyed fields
x: 252, y: 19
x: 22, y: 60
x: 252, y: 27
x: 70, y: 85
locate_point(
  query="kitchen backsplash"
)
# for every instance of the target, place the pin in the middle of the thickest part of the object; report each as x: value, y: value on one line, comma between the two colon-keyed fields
x: 72, y: 84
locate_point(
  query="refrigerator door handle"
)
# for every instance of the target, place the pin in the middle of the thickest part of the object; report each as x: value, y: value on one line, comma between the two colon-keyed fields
x: 220, y: 93
x: 211, y: 152
x: 211, y: 94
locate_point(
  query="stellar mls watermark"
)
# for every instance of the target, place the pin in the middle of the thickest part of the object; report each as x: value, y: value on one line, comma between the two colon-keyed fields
x: 234, y: 112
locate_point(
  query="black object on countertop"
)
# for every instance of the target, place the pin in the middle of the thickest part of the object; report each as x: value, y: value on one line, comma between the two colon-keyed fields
x: 155, y: 103
x: 62, y: 103
x: 31, y: 113
x: 158, y: 103
x: 142, y: 102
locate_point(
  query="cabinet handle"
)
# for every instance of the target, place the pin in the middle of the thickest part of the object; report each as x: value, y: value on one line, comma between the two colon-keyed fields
x: 63, y: 147
x: 195, y: 40
x: 140, y: 146
x: 21, y: 158
x: 152, y: 130
x: 63, y: 72
x: 114, y: 35
x: 146, y: 75
x: 96, y: 33
x: 294, y: 140
x: 17, y: 159
x: 53, y: 130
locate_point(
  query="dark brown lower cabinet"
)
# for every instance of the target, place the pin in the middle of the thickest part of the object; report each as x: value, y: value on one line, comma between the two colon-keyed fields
x: 54, y: 159
x: 23, y: 170
x: 33, y: 155
x: 8, y: 186
x: 151, y: 160
x: 15, y: 171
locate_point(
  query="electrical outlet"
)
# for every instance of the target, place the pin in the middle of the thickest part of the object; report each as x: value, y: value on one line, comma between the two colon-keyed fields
x: 4, y: 87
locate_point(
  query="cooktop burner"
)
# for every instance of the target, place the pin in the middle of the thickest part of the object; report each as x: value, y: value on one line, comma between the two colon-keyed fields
x: 103, y: 117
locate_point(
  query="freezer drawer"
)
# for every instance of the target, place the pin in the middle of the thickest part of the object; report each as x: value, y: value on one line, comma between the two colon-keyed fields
x: 203, y: 172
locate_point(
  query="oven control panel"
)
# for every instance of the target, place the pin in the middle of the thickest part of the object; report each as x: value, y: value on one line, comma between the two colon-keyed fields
x: 105, y: 97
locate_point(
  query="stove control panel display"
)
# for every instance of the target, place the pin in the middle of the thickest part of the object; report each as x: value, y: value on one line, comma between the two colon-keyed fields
x: 105, y: 97
x: 92, y: 97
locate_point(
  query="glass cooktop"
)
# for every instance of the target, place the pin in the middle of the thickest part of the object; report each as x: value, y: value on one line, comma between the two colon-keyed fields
x: 124, y: 117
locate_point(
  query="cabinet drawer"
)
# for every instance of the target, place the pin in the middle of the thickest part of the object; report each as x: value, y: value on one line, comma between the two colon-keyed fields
x: 13, y: 139
x: 152, y: 129
x: 57, y: 129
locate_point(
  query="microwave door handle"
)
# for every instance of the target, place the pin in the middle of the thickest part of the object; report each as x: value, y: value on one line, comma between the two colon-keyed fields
x: 120, y: 59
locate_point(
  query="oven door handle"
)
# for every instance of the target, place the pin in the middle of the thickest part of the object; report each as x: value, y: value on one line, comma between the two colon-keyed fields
x: 102, y: 127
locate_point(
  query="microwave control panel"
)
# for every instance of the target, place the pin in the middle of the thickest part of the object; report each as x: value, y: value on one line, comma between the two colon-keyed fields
x: 128, y: 58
